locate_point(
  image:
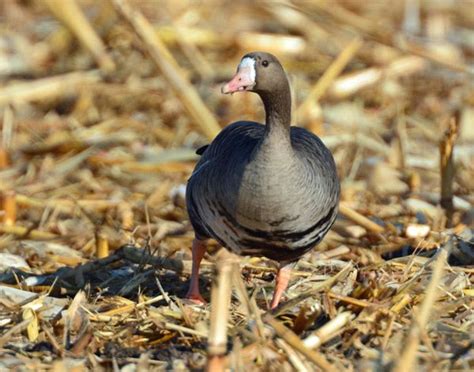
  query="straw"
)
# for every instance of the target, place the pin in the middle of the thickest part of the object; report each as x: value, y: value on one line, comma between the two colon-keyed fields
x: 409, y: 353
x: 169, y: 68
x: 447, y: 169
x: 329, y: 75
x: 72, y: 16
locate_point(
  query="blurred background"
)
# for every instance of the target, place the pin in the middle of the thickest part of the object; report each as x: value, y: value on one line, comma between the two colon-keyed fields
x: 103, y: 103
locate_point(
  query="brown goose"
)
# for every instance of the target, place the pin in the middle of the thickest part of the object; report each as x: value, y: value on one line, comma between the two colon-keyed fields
x: 262, y: 190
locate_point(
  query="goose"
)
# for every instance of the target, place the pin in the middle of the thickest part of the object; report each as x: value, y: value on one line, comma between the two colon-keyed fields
x: 269, y: 189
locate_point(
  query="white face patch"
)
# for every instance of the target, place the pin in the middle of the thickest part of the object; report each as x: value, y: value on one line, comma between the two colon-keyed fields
x: 247, y: 66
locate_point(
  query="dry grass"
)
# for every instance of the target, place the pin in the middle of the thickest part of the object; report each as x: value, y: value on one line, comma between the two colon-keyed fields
x: 101, y: 107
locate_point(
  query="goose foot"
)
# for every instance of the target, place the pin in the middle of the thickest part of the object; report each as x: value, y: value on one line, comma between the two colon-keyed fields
x: 194, y: 295
x: 282, y: 280
x: 196, y: 298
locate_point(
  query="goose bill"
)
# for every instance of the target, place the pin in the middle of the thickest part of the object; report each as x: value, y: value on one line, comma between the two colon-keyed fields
x: 244, y: 79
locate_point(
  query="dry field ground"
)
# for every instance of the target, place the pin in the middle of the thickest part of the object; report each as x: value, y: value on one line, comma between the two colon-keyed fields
x: 102, y: 106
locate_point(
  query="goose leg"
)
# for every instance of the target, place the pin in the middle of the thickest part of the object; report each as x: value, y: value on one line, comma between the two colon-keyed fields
x: 282, y: 279
x: 199, y: 248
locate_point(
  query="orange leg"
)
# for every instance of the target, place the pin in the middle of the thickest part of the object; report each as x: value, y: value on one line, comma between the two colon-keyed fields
x: 282, y: 279
x: 199, y: 248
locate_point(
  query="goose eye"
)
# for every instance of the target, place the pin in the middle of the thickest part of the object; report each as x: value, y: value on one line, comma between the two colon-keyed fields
x: 265, y: 63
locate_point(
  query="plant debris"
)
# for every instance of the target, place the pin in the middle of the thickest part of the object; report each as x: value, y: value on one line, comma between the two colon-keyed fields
x: 102, y: 107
